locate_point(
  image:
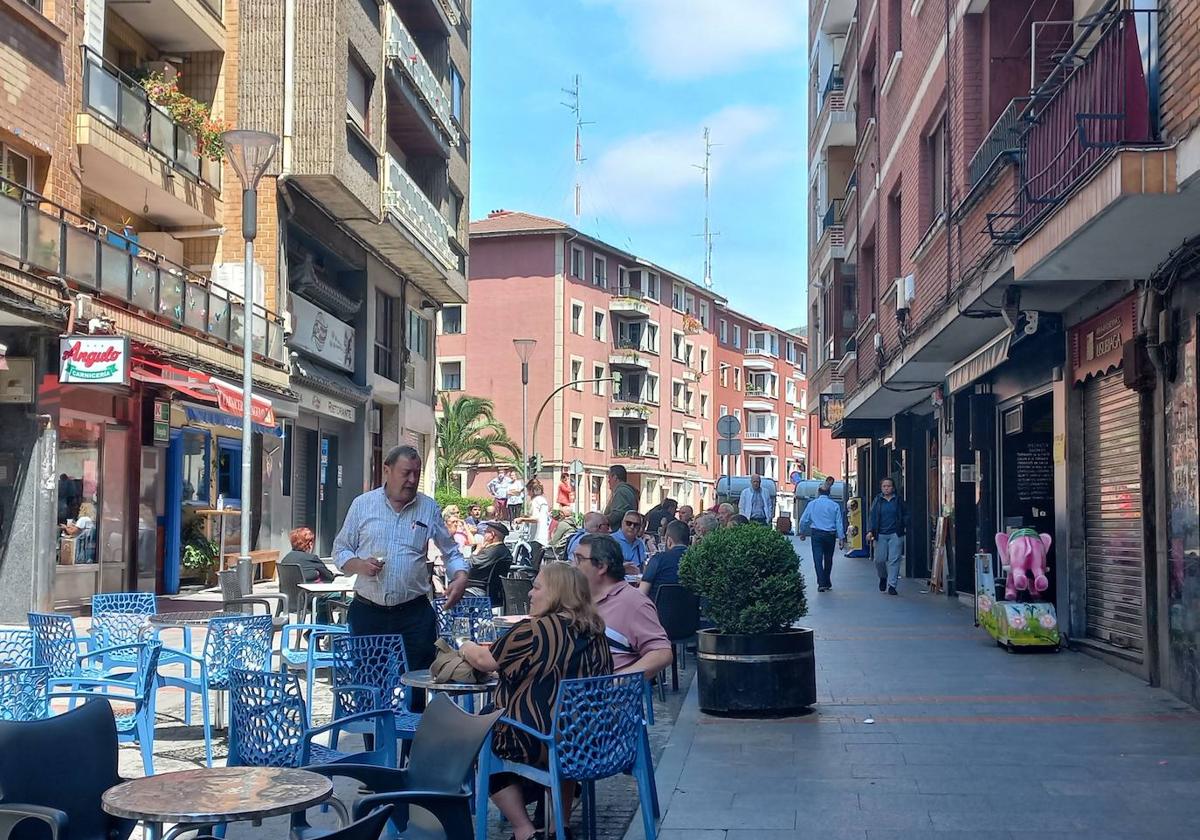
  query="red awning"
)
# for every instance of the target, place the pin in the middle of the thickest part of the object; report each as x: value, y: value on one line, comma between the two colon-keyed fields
x: 189, y: 383
x: 230, y: 399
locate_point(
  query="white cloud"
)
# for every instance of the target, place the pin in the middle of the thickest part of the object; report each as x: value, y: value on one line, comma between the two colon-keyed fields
x: 692, y: 39
x: 652, y: 176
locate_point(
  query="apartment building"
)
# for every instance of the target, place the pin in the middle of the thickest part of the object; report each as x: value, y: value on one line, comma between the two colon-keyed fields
x: 1019, y: 218
x: 596, y: 312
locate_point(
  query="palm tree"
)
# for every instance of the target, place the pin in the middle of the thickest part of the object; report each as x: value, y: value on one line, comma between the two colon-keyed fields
x: 469, y: 433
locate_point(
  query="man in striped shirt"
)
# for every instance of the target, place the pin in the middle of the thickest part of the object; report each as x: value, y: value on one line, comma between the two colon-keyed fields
x: 385, y: 541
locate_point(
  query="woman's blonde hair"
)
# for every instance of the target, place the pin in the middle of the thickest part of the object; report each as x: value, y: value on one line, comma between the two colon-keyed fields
x: 568, y: 595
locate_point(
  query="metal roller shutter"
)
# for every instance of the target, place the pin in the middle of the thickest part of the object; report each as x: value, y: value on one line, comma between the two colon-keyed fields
x: 1115, y: 572
x: 303, y: 480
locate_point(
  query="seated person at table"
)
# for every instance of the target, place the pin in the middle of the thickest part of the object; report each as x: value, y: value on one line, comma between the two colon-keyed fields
x: 635, y: 636
x: 664, y: 566
x: 562, y: 639
x: 633, y: 547
x: 491, y: 562
x: 312, y: 570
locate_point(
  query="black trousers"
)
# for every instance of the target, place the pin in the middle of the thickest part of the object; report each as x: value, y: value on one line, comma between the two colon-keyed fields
x: 415, y: 620
x: 823, y: 544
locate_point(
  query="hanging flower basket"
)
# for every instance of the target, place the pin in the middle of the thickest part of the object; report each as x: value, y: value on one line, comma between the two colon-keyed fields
x: 193, y: 115
x: 691, y: 325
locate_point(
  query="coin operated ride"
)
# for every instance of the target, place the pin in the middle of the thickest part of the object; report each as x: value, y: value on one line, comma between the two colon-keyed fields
x: 1020, y: 619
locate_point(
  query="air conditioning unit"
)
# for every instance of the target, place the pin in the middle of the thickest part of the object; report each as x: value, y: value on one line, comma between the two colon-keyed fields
x: 83, y: 308
x: 905, y: 292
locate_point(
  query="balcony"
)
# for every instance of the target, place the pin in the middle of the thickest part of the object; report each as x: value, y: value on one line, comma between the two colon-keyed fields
x: 633, y: 453
x: 46, y: 238
x: 175, y: 26
x: 831, y: 243
x: 404, y: 200
x: 758, y: 399
x: 690, y: 374
x: 1002, y: 142
x: 629, y: 303
x: 134, y: 154
x: 628, y: 354
x: 419, y: 80
x: 630, y: 407
x: 758, y: 358
x: 833, y: 17
x: 835, y: 121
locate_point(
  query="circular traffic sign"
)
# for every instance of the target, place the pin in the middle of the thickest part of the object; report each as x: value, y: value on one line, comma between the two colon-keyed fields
x: 729, y: 426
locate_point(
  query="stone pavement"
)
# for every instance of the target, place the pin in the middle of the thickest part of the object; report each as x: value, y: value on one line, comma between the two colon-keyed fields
x: 967, y: 741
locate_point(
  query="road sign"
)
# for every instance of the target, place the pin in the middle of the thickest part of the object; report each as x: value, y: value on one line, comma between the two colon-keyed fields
x: 576, y: 468
x: 729, y: 426
x: 729, y: 446
x: 797, y: 476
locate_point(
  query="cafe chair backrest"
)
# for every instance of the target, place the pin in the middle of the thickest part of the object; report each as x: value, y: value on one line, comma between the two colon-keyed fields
x: 237, y: 641
x: 598, y: 725
x: 376, y: 662
x: 516, y: 595
x: 24, y: 693
x: 290, y: 578
x: 122, y: 618
x: 446, y: 745
x: 678, y: 611
x: 16, y: 648
x: 54, y: 643
x: 268, y: 719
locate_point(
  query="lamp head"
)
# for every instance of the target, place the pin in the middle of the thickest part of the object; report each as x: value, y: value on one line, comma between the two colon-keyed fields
x: 250, y: 153
x: 524, y: 348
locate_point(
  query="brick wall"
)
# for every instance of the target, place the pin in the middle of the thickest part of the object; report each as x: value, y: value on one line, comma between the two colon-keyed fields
x: 1180, y: 67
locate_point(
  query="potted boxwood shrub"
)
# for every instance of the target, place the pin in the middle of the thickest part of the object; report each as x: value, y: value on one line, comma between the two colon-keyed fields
x: 753, y: 661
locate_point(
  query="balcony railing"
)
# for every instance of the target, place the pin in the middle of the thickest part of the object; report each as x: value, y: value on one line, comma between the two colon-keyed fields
x: 120, y: 101
x: 405, y: 199
x: 760, y: 434
x: 49, y: 238
x: 632, y: 399
x: 833, y: 91
x: 402, y: 49
x: 833, y: 215
x: 1004, y: 140
x: 632, y: 452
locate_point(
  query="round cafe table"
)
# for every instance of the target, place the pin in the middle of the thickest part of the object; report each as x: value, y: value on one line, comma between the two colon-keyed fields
x: 214, y: 795
x: 189, y: 618
x: 422, y: 679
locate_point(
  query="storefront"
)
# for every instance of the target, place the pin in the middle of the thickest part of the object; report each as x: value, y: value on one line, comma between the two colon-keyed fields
x: 324, y: 471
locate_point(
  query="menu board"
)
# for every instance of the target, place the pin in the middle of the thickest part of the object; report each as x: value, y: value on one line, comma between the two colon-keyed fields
x: 1035, y: 471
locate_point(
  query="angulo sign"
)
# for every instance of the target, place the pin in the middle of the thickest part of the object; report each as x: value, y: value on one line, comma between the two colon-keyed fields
x: 93, y: 360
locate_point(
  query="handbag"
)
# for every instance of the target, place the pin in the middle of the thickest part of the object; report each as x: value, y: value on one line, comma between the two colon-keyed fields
x: 449, y: 666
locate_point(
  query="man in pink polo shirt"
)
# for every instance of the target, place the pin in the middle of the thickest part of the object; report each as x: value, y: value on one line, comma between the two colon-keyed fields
x: 635, y: 636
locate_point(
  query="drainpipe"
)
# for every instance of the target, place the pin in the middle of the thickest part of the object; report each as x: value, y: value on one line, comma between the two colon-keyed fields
x: 289, y: 88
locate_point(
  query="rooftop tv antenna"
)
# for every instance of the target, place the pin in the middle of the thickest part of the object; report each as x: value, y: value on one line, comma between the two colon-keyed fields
x: 573, y: 105
x: 708, y: 234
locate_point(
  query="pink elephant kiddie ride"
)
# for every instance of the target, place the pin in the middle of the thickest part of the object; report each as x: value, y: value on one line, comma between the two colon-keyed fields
x: 1013, y: 622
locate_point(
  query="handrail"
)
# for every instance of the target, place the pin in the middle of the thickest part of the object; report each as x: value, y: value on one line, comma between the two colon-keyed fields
x: 120, y: 100
x: 44, y: 235
x: 833, y: 214
x: 403, y: 50
x: 1004, y: 139
x: 404, y: 198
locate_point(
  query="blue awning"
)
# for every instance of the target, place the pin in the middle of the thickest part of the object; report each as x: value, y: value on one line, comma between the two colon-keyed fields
x: 213, y: 417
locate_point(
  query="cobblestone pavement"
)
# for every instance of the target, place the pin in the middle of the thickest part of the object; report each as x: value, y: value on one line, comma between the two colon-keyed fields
x: 180, y: 747
x: 925, y: 730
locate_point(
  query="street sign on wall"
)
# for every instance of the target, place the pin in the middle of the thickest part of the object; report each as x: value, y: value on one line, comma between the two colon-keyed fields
x: 94, y: 360
x: 728, y: 446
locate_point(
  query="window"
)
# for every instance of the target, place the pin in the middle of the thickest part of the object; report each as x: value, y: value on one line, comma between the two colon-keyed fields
x: 704, y: 316
x: 598, y: 435
x: 386, y: 340
x: 724, y: 376
x: 689, y: 447
x: 704, y: 405
x: 678, y: 446
x: 458, y: 90
x: 577, y: 262
x: 737, y: 379
x: 723, y: 330
x: 452, y: 376
x: 16, y: 167
x: 689, y: 302
x: 704, y: 360
x: 651, y: 440
x: 703, y: 453
x: 936, y: 157
x: 737, y: 336
x: 677, y: 297
x: 418, y: 334
x: 895, y: 26
x: 651, y: 338
x: 677, y: 395
x: 577, y: 318
x: 894, y: 220
x: 803, y: 363
x: 623, y: 287
x: 688, y: 347
x: 652, y: 387
x: 229, y: 470
x: 576, y: 431
x: 791, y: 430
x: 452, y: 320
x: 791, y: 391
x: 599, y: 271
x: 598, y: 373
x: 652, y: 286
x: 677, y: 345
x: 577, y: 374
x: 598, y: 325
x: 722, y: 411
x: 358, y: 93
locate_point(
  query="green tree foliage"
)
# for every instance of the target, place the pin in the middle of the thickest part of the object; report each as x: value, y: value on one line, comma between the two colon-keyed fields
x: 469, y: 433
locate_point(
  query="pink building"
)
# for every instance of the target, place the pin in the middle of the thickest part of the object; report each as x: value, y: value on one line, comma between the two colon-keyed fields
x: 683, y: 356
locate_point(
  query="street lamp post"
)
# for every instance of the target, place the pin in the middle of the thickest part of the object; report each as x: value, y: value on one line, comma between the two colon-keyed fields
x: 524, y: 348
x: 250, y: 153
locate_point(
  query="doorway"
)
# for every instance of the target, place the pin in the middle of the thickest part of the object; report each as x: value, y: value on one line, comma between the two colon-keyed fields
x: 1026, y: 430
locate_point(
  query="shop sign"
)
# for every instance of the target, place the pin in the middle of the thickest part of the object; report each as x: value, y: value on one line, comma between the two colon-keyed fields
x: 1098, y: 343
x: 162, y: 421
x: 230, y: 400
x: 832, y: 410
x: 320, y: 334
x: 94, y: 360
x: 322, y: 404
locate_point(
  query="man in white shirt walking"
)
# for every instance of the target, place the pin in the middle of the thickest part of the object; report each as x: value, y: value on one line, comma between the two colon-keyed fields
x: 755, y: 503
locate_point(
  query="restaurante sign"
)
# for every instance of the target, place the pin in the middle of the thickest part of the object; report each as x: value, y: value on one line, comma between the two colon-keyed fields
x: 94, y: 360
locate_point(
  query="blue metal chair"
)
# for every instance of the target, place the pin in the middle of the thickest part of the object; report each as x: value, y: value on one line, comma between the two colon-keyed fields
x: 597, y: 731
x: 16, y: 648
x: 269, y: 726
x: 474, y: 609
x: 366, y: 677
x: 234, y: 641
x: 120, y: 619
x: 134, y: 697
x: 24, y: 693
x: 55, y: 644
x: 298, y: 653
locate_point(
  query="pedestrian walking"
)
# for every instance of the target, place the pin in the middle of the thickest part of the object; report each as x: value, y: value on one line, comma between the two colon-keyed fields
x: 624, y: 496
x: 498, y: 487
x: 565, y: 497
x: 822, y: 518
x: 755, y: 503
x: 886, y: 524
x: 385, y: 542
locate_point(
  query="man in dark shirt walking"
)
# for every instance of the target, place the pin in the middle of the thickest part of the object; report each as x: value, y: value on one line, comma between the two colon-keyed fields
x: 624, y: 496
x: 885, y: 530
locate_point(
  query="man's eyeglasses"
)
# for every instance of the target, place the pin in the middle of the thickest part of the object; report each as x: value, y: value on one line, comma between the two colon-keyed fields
x: 631, y: 523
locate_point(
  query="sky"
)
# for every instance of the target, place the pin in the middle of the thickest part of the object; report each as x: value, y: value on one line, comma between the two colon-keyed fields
x: 653, y: 74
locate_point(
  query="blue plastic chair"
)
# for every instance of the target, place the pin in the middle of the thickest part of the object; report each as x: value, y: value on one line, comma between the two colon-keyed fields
x: 55, y: 644
x: 134, y: 698
x: 366, y: 677
x: 236, y: 641
x: 16, y: 648
x: 598, y: 731
x: 475, y: 609
x: 24, y: 693
x: 120, y: 619
x: 269, y: 726
x: 298, y: 654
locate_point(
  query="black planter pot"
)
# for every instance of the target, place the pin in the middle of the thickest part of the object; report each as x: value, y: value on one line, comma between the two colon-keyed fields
x: 766, y: 674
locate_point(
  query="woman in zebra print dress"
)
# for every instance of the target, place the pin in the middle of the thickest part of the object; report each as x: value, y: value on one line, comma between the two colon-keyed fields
x: 562, y: 639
